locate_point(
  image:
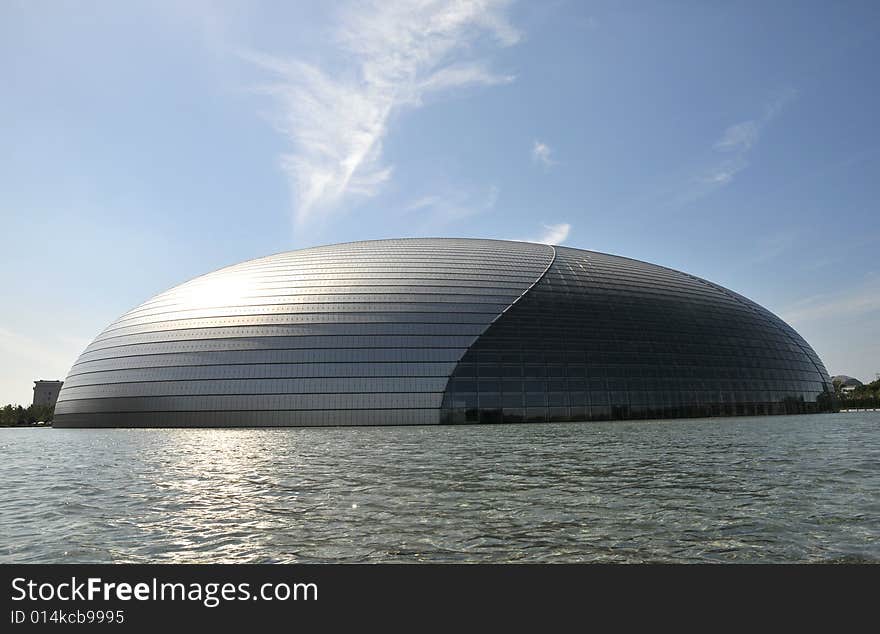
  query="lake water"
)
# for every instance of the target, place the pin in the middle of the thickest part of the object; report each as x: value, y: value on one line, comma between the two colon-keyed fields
x: 770, y: 489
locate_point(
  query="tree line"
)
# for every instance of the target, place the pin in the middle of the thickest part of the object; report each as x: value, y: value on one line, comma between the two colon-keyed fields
x: 862, y: 396
x: 16, y: 415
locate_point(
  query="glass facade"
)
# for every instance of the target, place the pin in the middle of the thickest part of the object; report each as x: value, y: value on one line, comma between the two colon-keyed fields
x: 423, y: 331
x: 602, y: 337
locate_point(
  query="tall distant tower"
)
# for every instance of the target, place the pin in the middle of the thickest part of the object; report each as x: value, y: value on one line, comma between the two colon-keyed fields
x: 46, y: 392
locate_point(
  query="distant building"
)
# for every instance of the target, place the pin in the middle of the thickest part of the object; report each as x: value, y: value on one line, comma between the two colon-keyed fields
x: 46, y: 392
x: 847, y: 383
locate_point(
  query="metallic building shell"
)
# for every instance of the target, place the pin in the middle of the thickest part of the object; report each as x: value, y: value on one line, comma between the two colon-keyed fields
x: 423, y: 331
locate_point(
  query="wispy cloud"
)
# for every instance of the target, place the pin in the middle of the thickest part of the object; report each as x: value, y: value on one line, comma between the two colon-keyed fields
x: 843, y: 326
x: 442, y: 209
x: 552, y: 234
x: 541, y: 154
x: 392, y: 55
x: 770, y: 246
x: 738, y: 139
x: 717, y: 166
x: 723, y: 172
x: 859, y: 301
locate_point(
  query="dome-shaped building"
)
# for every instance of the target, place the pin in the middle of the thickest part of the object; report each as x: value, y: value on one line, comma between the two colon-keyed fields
x: 426, y: 331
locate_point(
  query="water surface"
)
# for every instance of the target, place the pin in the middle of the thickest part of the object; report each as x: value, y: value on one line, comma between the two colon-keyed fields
x: 769, y: 489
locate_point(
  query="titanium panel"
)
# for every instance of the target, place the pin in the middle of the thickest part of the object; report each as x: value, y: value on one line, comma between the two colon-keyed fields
x: 363, y: 333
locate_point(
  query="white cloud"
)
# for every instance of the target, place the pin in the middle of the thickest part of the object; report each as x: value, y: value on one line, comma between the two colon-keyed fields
x: 454, y: 205
x: 771, y: 246
x: 553, y: 234
x: 425, y: 202
x: 724, y: 172
x: 717, y: 167
x: 456, y: 76
x: 541, y: 154
x: 738, y: 139
x: 843, y: 326
x: 855, y: 302
x: 392, y: 55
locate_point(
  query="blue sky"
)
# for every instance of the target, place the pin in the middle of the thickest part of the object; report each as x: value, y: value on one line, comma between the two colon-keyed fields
x: 144, y: 143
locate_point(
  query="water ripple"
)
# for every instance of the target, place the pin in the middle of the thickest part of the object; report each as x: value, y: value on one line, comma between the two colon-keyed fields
x: 803, y: 488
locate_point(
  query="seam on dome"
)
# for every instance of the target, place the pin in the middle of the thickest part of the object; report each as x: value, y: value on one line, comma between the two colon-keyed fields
x: 524, y: 293
x: 496, y: 318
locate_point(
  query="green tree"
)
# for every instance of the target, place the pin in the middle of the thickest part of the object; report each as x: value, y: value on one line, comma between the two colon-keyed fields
x: 15, y: 415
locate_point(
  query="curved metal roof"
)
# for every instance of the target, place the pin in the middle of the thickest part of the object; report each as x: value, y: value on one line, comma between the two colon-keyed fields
x: 371, y: 332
